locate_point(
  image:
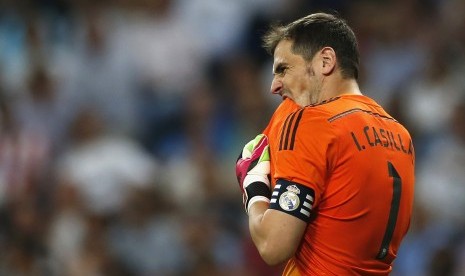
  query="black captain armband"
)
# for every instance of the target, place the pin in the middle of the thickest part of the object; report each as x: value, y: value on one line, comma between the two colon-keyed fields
x: 292, y: 198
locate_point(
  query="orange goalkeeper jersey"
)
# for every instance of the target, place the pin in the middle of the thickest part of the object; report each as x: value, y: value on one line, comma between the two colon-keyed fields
x: 274, y: 127
x: 359, y: 162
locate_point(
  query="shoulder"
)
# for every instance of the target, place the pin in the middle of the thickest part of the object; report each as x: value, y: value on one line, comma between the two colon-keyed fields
x: 331, y: 107
x: 341, y: 107
x: 319, y: 121
x: 319, y: 113
x: 306, y: 124
x: 286, y: 108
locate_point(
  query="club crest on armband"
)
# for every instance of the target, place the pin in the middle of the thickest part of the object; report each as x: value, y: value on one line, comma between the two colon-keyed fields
x: 289, y: 200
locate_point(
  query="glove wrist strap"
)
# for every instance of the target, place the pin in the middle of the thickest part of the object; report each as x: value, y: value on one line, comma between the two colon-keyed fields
x: 257, y: 191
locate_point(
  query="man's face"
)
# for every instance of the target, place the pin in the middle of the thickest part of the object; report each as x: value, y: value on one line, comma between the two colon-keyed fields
x: 294, y: 77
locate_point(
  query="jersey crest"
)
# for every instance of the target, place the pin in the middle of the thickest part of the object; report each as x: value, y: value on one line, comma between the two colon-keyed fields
x: 289, y: 200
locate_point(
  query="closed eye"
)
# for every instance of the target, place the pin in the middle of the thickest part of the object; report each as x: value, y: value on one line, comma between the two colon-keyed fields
x: 280, y: 69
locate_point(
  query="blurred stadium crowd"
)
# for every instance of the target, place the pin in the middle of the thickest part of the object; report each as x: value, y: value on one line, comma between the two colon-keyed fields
x: 121, y: 120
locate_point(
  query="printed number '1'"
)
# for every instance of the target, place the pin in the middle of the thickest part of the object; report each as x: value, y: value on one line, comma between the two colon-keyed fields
x: 391, y: 225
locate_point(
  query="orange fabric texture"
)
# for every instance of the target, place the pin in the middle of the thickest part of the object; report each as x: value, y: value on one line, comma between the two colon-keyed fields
x: 274, y: 127
x: 360, y: 163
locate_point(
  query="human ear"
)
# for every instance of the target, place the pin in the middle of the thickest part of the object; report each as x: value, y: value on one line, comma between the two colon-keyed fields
x: 328, y: 59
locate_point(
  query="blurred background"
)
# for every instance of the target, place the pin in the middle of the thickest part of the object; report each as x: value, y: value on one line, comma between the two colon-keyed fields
x: 121, y: 121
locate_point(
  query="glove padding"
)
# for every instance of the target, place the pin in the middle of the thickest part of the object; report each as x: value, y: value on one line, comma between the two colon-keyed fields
x: 253, y: 171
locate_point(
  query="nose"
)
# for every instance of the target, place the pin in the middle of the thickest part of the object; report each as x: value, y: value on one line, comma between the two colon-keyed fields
x: 276, y: 86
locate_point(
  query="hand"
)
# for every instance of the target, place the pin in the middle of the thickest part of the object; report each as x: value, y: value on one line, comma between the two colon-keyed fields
x: 253, y: 171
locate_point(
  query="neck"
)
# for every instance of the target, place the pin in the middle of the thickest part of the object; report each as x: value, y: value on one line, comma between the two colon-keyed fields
x: 331, y: 89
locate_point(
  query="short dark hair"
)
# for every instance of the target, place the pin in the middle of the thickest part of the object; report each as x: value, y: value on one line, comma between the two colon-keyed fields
x: 314, y: 32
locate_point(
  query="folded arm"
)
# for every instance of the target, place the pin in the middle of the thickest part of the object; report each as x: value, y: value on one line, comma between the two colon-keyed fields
x: 276, y: 234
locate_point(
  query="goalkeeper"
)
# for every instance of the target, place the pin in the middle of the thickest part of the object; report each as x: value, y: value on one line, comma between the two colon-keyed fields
x: 328, y: 187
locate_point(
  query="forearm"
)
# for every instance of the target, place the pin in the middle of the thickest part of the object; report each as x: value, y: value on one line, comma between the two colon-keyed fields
x: 259, y: 230
x: 276, y: 234
x: 266, y: 228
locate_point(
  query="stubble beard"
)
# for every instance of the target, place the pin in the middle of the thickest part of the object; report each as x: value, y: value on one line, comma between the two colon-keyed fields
x: 309, y: 97
x: 314, y: 93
